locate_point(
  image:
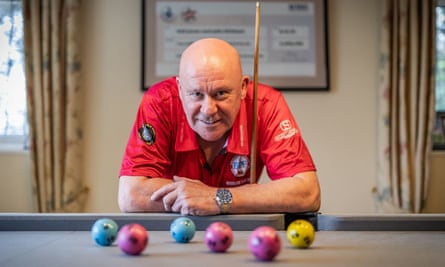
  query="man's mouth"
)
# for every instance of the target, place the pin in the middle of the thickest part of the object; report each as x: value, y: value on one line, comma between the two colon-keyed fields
x: 209, y: 122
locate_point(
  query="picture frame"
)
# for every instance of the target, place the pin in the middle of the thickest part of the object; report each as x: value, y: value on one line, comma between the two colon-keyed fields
x: 439, y: 132
x: 293, y: 46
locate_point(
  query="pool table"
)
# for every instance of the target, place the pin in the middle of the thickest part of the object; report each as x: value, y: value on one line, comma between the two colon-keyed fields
x: 340, y: 240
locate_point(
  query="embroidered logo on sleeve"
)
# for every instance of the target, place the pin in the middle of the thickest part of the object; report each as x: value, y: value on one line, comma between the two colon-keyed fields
x: 147, y: 134
x: 287, y: 130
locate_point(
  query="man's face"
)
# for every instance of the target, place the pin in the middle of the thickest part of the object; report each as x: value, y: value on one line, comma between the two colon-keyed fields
x: 211, y: 102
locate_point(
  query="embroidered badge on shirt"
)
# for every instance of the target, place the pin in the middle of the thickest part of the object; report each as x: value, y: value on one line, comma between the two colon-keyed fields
x: 239, y: 165
x: 147, y: 134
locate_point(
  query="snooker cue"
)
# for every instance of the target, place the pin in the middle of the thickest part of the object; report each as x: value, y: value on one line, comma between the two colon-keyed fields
x: 254, y: 98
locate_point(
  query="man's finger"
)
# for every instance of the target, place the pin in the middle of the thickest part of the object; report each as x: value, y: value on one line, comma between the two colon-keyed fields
x: 179, y: 178
x: 170, y: 200
x: 161, y: 192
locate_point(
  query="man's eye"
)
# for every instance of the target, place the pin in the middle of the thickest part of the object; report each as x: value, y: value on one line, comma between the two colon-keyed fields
x: 195, y: 94
x: 221, y: 94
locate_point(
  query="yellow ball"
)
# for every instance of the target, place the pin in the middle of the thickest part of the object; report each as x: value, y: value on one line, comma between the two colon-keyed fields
x: 300, y: 233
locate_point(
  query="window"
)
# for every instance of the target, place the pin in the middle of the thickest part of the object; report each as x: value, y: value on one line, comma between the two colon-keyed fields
x: 439, y: 127
x: 440, y: 56
x: 13, y: 117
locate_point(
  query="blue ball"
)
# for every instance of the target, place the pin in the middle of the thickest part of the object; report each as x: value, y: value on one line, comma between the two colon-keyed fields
x: 182, y: 229
x: 104, y: 231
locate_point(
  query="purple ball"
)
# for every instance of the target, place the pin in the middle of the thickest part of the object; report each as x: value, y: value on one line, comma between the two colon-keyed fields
x: 132, y: 238
x: 218, y: 237
x: 264, y: 243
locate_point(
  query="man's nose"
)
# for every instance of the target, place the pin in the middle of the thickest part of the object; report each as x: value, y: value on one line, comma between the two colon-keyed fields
x: 208, y: 106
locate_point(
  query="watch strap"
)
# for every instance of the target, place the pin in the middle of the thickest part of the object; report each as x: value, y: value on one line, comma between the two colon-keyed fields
x: 223, y: 199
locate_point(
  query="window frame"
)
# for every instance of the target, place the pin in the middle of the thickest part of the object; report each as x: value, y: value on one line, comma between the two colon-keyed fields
x: 14, y: 143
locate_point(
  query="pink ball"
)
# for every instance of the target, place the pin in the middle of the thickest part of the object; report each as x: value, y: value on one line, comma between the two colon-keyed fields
x: 132, y: 238
x: 264, y: 243
x: 218, y: 237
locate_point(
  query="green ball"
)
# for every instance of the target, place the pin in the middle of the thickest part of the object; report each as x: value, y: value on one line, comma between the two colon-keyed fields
x: 300, y: 233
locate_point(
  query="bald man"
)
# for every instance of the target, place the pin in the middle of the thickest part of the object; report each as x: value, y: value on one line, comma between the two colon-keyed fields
x: 189, y: 149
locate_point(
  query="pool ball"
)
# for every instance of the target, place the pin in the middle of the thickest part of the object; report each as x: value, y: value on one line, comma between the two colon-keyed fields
x: 300, y: 233
x: 182, y: 229
x: 264, y: 243
x: 104, y: 231
x: 132, y: 238
x: 218, y: 236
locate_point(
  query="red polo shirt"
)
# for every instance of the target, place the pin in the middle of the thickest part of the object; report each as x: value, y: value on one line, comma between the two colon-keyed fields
x: 162, y: 144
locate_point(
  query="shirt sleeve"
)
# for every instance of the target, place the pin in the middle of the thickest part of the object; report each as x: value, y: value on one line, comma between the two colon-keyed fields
x: 149, y: 143
x: 283, y: 149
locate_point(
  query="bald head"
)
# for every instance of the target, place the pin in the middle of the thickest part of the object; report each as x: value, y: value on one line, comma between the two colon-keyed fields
x: 210, y: 53
x: 211, y: 87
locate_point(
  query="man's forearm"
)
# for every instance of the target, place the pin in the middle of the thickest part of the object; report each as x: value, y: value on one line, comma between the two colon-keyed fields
x: 293, y: 194
x: 135, y: 191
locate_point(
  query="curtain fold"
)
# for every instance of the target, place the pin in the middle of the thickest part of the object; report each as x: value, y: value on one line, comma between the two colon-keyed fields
x: 406, y: 104
x: 52, y: 69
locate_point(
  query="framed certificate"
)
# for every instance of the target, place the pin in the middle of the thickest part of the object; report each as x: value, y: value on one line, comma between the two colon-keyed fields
x: 293, y: 52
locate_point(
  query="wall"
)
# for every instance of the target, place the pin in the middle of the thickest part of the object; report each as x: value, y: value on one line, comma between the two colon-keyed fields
x: 436, y: 197
x: 15, y: 182
x: 339, y: 126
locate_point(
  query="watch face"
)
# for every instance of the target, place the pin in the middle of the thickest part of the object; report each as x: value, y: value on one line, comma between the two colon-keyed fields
x: 225, y: 196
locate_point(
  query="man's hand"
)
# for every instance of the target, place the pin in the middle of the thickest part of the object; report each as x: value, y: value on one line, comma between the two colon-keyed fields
x: 188, y: 197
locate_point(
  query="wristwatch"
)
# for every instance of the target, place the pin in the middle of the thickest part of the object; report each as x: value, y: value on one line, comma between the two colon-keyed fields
x: 223, y: 199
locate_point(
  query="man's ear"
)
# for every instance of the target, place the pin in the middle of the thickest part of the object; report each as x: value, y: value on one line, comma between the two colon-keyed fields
x: 245, y: 83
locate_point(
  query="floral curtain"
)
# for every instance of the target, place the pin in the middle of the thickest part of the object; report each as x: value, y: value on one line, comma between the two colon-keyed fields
x: 406, y: 104
x: 52, y: 69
